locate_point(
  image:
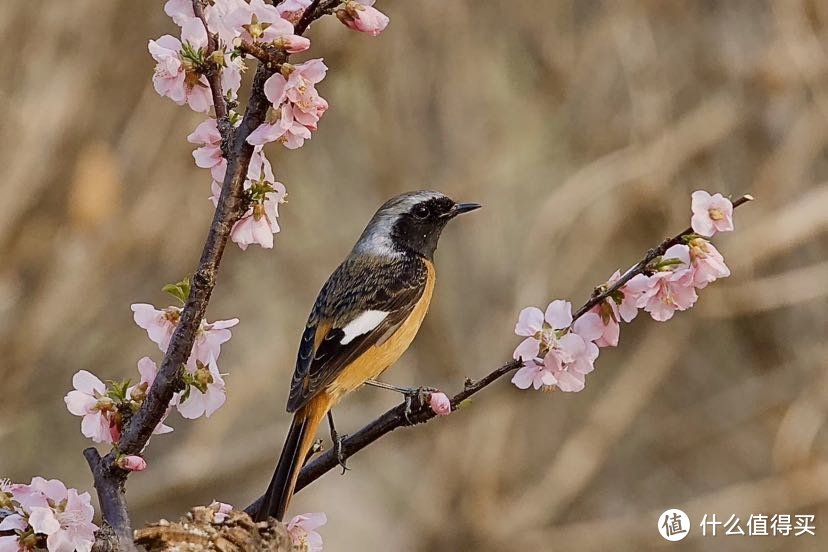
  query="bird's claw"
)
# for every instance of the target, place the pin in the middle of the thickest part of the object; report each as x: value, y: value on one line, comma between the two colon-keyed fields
x: 419, y: 393
x: 341, y: 459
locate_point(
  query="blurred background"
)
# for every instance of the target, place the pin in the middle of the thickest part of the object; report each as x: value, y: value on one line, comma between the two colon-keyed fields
x: 583, y: 127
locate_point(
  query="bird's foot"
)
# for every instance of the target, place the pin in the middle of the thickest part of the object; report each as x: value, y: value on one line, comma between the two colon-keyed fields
x: 420, y: 395
x: 341, y: 459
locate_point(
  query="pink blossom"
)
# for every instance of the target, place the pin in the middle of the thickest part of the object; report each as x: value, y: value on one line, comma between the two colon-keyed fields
x: 292, y: 10
x: 67, y: 525
x: 209, y: 339
x: 533, y: 374
x: 708, y: 263
x: 131, y: 463
x: 89, y: 400
x: 259, y: 223
x: 60, y: 513
x: 195, y: 402
x: 359, y: 15
x: 440, y: 404
x: 261, y: 22
x: 553, y: 354
x: 36, y: 493
x: 669, y: 289
x: 302, y: 529
x: 221, y: 511
x: 711, y: 214
x: 297, y: 105
x: 216, y: 13
x: 300, y: 87
x: 160, y: 324
x: 570, y: 361
x: 541, y: 327
x: 176, y: 75
x: 285, y: 129
x: 209, y: 155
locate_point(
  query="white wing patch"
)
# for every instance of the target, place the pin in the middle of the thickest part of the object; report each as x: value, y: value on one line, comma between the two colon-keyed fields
x: 362, y: 324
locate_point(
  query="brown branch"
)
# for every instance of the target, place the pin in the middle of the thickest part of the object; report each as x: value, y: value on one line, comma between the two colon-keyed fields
x: 213, y: 75
x: 109, y: 479
x: 111, y: 498
x: 600, y: 294
x: 273, y: 58
x: 421, y: 411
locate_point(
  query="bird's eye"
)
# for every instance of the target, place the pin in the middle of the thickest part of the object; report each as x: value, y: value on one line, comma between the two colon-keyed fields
x: 421, y: 211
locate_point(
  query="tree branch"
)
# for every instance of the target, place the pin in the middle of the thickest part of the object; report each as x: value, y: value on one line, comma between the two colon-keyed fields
x: 109, y: 478
x: 600, y: 294
x: 213, y: 74
x: 111, y: 499
x: 270, y: 57
x: 421, y: 412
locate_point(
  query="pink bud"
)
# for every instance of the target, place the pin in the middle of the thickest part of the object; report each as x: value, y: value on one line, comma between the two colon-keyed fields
x: 132, y: 463
x: 358, y: 15
x: 440, y: 404
x: 292, y: 43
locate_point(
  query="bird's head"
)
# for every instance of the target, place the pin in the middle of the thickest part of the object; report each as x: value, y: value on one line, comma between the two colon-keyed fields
x: 411, y: 221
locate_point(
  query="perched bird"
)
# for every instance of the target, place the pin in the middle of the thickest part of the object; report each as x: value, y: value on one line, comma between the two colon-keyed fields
x: 364, y: 319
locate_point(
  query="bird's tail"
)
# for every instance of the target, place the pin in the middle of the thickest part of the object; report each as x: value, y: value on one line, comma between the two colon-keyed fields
x: 297, y: 444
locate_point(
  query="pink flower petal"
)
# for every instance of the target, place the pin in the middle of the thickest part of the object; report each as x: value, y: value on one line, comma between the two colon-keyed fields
x: 559, y: 314
x: 530, y: 321
x: 528, y: 349
x: 88, y: 383
x: 589, y: 326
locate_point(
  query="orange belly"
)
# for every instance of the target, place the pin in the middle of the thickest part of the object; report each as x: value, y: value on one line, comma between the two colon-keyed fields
x: 378, y: 358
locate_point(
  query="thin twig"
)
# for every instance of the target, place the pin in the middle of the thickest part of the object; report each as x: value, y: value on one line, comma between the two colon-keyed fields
x: 213, y: 75
x: 601, y: 294
x: 421, y: 412
x: 273, y: 58
x: 109, y: 479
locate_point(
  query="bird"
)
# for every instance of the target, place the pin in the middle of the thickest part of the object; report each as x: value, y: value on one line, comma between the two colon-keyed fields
x: 364, y: 318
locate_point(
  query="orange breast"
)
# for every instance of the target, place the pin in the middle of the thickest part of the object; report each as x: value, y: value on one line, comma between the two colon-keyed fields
x: 378, y: 358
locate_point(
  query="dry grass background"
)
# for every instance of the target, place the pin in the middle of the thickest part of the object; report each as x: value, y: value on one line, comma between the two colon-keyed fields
x: 582, y: 126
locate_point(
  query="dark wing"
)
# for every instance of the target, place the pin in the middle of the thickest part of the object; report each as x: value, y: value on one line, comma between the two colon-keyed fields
x: 392, y: 285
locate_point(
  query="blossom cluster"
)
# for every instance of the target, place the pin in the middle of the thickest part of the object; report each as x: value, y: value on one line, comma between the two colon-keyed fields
x: 46, y: 510
x: 105, y: 407
x: 559, y: 351
x: 221, y: 43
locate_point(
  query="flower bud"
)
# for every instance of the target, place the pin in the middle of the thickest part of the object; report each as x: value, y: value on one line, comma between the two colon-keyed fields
x: 440, y: 404
x: 131, y: 463
x: 139, y: 392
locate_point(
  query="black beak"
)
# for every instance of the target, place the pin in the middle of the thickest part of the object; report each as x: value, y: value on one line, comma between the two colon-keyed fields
x: 460, y: 208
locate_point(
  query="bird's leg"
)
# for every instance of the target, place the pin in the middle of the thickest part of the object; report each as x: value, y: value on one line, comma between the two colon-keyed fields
x: 382, y: 385
x: 337, y: 443
x: 408, y: 392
